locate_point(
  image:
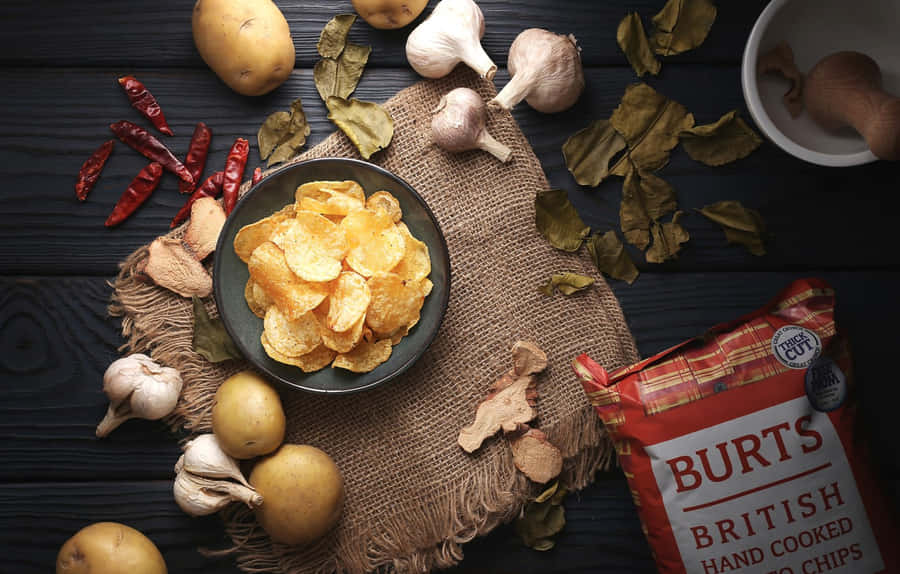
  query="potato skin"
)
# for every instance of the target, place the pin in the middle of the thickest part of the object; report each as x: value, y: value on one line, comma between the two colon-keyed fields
x: 303, y: 493
x: 247, y: 43
x: 389, y: 14
x: 247, y: 416
x: 109, y: 548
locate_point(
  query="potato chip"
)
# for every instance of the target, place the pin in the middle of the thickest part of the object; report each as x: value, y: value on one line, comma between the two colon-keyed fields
x: 291, y: 337
x: 313, y: 246
x: 427, y: 286
x: 256, y: 298
x: 293, y: 296
x: 252, y: 236
x: 375, y: 243
x: 340, y: 342
x: 349, y: 301
x: 398, y: 336
x: 330, y: 197
x: 395, y: 303
x: 318, y: 358
x: 365, y: 357
x: 416, y: 263
x: 385, y: 201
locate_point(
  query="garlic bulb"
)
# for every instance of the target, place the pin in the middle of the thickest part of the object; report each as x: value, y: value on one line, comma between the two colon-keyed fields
x: 204, y: 457
x: 459, y: 125
x: 199, y: 496
x: 138, y: 387
x: 450, y: 35
x: 546, y: 72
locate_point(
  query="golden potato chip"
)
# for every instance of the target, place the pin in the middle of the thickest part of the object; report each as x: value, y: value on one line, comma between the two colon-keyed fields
x: 427, y: 286
x: 416, y: 263
x: 291, y: 337
x: 318, y: 358
x: 349, y: 301
x: 313, y: 246
x: 345, y: 341
x: 375, y: 243
x: 256, y: 298
x: 293, y: 296
x: 365, y: 357
x: 385, y: 201
x: 395, y: 303
x: 398, y: 336
x: 252, y: 236
x: 330, y: 197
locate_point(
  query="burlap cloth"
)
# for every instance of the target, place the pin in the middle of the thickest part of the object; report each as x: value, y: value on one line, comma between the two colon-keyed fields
x: 413, y: 496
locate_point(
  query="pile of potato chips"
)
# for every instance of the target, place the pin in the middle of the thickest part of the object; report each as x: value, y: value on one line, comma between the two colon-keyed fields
x: 337, y: 278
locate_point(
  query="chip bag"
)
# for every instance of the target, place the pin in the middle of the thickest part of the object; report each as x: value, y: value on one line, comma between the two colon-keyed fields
x: 739, y: 451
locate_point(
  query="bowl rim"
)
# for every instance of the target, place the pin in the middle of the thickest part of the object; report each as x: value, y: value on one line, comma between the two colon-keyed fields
x: 758, y: 112
x: 444, y: 302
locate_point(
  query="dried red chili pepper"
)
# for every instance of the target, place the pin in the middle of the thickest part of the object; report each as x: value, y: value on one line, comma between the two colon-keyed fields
x: 138, y: 191
x: 143, y: 101
x: 212, y: 187
x: 195, y: 160
x: 257, y: 175
x: 234, y: 172
x: 90, y: 170
x: 150, y: 147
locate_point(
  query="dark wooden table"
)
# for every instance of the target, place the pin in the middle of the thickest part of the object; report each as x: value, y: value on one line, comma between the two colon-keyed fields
x: 59, y: 64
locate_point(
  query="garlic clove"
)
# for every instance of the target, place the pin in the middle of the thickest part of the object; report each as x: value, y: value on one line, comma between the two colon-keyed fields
x: 450, y: 35
x: 546, y: 72
x: 199, y: 496
x: 459, y: 125
x: 138, y: 387
x: 204, y: 456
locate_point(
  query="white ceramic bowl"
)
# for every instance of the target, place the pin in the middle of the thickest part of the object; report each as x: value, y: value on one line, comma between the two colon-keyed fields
x: 815, y: 29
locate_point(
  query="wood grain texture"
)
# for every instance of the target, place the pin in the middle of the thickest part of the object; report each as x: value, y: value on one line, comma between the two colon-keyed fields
x: 143, y: 33
x: 811, y: 212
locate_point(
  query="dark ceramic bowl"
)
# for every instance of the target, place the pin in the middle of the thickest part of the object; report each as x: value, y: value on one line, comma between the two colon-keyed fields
x: 230, y: 274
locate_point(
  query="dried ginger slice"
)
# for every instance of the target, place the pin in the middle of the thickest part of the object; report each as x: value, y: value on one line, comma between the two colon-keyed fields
x: 172, y: 266
x: 202, y: 233
x: 528, y: 359
x: 510, y: 403
x: 535, y: 455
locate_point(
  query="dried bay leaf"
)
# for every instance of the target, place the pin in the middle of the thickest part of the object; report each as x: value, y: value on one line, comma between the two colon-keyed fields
x: 542, y: 518
x: 589, y: 151
x: 741, y: 224
x: 667, y: 240
x: 650, y: 124
x: 633, y: 41
x: 682, y: 25
x: 558, y: 220
x: 325, y: 77
x: 287, y: 149
x: 610, y: 257
x: 726, y: 140
x: 272, y: 132
x: 333, y: 37
x: 340, y: 77
x: 292, y: 135
x: 645, y: 198
x: 368, y: 125
x: 210, y: 339
x: 566, y: 283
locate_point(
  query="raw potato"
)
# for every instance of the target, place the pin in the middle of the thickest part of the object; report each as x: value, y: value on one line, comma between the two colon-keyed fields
x: 109, y: 548
x: 389, y: 14
x: 247, y: 43
x: 247, y: 416
x: 303, y: 493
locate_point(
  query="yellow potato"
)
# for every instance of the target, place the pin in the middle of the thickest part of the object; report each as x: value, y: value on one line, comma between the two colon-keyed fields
x: 364, y: 357
x: 330, y: 197
x: 247, y: 417
x: 385, y: 201
x: 256, y: 298
x: 313, y: 246
x: 375, y: 243
x: 318, y: 358
x: 303, y: 493
x: 291, y: 337
x: 247, y: 43
x: 395, y: 303
x: 293, y: 296
x: 108, y: 548
x: 389, y: 14
x: 416, y: 262
x: 349, y: 302
x: 252, y: 236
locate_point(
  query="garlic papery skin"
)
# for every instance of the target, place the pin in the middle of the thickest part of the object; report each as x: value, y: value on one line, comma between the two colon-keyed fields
x: 204, y: 457
x: 199, y: 496
x: 458, y: 125
x: 546, y: 72
x: 138, y: 387
x: 450, y: 35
